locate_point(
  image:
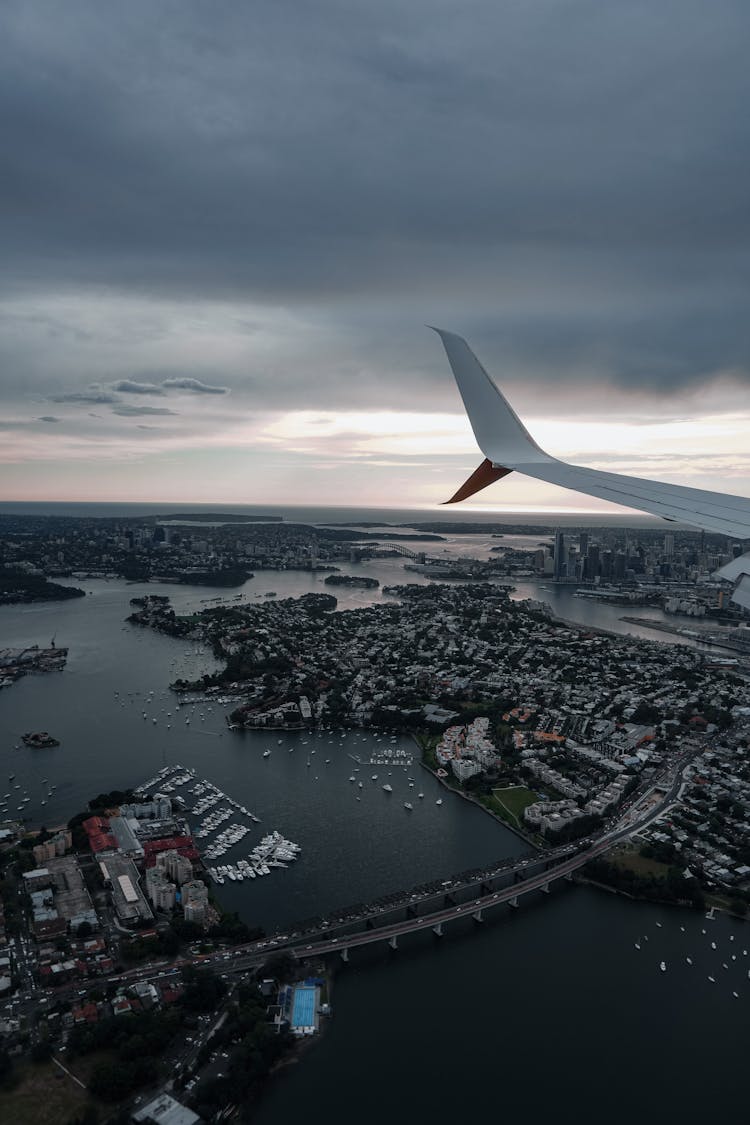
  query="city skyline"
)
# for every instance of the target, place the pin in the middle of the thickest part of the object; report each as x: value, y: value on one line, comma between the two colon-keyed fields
x: 214, y: 285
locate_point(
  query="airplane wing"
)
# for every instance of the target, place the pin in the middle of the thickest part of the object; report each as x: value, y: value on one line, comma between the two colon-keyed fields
x: 508, y: 446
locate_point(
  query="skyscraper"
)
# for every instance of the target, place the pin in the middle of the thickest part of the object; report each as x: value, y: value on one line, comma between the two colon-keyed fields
x: 560, y: 560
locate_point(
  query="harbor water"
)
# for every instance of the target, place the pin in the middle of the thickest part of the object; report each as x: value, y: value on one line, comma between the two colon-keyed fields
x: 546, y: 1010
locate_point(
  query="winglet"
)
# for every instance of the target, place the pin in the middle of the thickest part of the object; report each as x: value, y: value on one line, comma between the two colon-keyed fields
x: 487, y: 473
x: 500, y: 433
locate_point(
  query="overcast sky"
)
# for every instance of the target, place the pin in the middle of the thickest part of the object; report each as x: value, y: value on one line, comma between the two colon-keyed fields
x: 224, y: 227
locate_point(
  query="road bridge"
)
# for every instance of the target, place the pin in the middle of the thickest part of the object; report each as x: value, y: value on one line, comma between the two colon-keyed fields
x: 400, y: 549
x: 471, y: 896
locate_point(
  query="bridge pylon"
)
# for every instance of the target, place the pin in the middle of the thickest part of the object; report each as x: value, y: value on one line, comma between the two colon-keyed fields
x: 477, y: 916
x: 544, y: 888
x: 344, y: 953
x: 393, y: 942
x: 438, y: 930
x: 513, y: 901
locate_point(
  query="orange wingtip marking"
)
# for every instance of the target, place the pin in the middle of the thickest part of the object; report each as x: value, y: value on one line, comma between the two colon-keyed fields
x: 487, y: 473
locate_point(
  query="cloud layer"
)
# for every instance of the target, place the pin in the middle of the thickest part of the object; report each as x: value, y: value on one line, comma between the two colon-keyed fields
x: 251, y: 211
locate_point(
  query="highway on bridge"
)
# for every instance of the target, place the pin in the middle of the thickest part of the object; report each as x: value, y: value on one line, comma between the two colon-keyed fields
x: 369, y: 928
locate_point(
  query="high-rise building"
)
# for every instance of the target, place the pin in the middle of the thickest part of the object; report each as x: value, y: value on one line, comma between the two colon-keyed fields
x: 159, y: 889
x: 583, y: 544
x: 560, y: 560
x: 591, y: 568
x: 669, y: 544
x: 176, y: 866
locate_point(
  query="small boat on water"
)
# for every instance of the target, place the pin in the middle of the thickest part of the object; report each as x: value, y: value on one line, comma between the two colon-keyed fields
x: 266, y: 753
x: 712, y: 979
x: 439, y: 801
x: 663, y: 966
x: 408, y: 805
x: 689, y: 960
x: 388, y: 788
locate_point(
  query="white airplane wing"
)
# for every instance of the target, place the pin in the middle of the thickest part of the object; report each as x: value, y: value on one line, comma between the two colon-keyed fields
x: 508, y: 446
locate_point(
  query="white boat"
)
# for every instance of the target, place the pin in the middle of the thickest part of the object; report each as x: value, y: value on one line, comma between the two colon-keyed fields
x: 439, y: 801
x: 388, y: 788
x: 408, y: 805
x: 637, y: 946
x: 663, y: 966
x: 689, y: 960
x: 420, y: 795
x: 712, y: 979
x: 266, y: 753
x: 360, y: 785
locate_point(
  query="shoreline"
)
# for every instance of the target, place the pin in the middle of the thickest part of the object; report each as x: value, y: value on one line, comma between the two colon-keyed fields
x: 584, y: 880
x: 473, y: 800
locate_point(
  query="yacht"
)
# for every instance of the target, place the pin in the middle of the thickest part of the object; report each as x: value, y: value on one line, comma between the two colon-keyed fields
x: 663, y: 966
x: 266, y: 753
x: 420, y: 795
x: 388, y: 788
x: 439, y: 801
x: 408, y: 805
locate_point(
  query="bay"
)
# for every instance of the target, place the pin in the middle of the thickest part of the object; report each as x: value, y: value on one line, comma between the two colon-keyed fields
x: 547, y: 1010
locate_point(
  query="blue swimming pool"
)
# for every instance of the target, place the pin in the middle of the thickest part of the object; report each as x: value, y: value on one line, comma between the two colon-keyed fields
x: 303, y: 1008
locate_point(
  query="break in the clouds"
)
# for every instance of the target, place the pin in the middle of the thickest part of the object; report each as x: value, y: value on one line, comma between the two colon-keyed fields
x: 254, y: 209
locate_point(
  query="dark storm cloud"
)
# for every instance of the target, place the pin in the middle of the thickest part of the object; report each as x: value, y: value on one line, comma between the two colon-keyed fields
x: 195, y: 386
x: 127, y: 411
x: 97, y: 397
x: 566, y: 182
x: 129, y: 387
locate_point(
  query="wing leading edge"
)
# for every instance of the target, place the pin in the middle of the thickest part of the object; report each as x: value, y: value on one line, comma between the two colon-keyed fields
x: 508, y: 446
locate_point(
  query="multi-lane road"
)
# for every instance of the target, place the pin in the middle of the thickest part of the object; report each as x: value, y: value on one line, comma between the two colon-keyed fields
x: 478, y: 894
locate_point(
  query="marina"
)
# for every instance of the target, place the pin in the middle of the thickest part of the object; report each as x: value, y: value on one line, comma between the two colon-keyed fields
x: 273, y: 851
